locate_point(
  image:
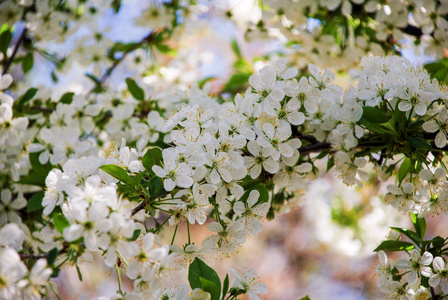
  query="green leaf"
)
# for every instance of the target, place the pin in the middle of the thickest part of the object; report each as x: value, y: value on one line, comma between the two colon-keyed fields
x: 67, y: 98
x: 129, y: 192
x: 116, y: 5
x: 163, y: 48
x: 35, y: 202
x: 409, y: 233
x: 237, y: 82
x: 398, y: 120
x: 38, y: 171
x: 5, y: 39
x: 405, y: 168
x: 374, y: 115
x: 98, y: 83
x: 419, y: 225
x: 155, y: 187
x: 395, y: 246
x: 199, y: 269
x: 225, y: 286
x: 438, y: 69
x: 60, y: 222
x: 51, y: 257
x: 119, y: 173
x: 419, y: 143
x: 152, y: 157
x: 27, y: 62
x: 236, y: 49
x: 248, y: 182
x: 330, y: 163
x: 79, y: 272
x: 136, y: 91
x: 202, y: 82
x: 438, y: 243
x: 306, y: 298
x: 264, y: 193
x: 378, y: 128
x: 135, y: 235
x: 29, y: 94
x: 208, y: 286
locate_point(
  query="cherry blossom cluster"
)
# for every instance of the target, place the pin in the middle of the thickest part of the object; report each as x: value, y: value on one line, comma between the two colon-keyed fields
x: 403, y: 279
x: 397, y: 24
x: 17, y: 281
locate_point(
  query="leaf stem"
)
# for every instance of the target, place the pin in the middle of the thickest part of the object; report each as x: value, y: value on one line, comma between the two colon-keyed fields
x: 188, y: 229
x: 52, y: 287
x: 174, y: 235
x: 120, y: 290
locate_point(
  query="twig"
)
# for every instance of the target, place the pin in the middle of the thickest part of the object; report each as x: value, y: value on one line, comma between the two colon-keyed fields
x: 32, y: 256
x: 138, y: 208
x: 146, y: 39
x: 318, y: 147
x: 14, y: 52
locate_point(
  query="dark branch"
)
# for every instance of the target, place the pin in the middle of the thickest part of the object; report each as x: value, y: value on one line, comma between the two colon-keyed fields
x: 318, y: 147
x: 412, y: 30
x: 146, y: 40
x: 14, y: 52
x: 138, y: 208
x: 32, y: 256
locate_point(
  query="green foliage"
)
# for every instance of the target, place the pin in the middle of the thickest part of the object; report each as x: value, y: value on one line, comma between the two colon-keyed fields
x: 374, y: 115
x: 120, y: 174
x: 155, y: 187
x: 5, y: 40
x: 67, y: 98
x: 264, y: 193
x: 151, y: 158
x: 438, y: 70
x: 225, y: 286
x: 35, y: 202
x: 419, y: 225
x: 135, y: 235
x: 135, y: 90
x: 27, y: 62
x: 51, y: 257
x: 200, y: 275
x: 410, y: 234
x: 29, y: 95
x: 60, y: 222
x: 405, y: 168
x: 241, y: 74
x: 39, y: 172
x: 395, y: 246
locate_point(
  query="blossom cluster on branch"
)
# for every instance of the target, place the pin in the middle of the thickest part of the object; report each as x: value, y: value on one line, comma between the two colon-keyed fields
x: 104, y: 171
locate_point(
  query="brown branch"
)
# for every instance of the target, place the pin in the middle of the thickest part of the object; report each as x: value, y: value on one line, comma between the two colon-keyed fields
x: 14, y: 52
x: 42, y: 109
x: 138, y: 208
x: 146, y: 40
x: 318, y: 147
x: 412, y: 30
x: 32, y: 256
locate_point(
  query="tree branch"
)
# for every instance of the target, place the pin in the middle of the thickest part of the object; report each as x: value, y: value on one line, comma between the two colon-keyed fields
x: 147, y: 39
x: 412, y: 30
x: 32, y: 256
x: 14, y: 52
x: 318, y: 147
x: 139, y: 208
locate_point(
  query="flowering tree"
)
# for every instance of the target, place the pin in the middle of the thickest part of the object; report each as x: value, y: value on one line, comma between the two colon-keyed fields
x: 124, y: 141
